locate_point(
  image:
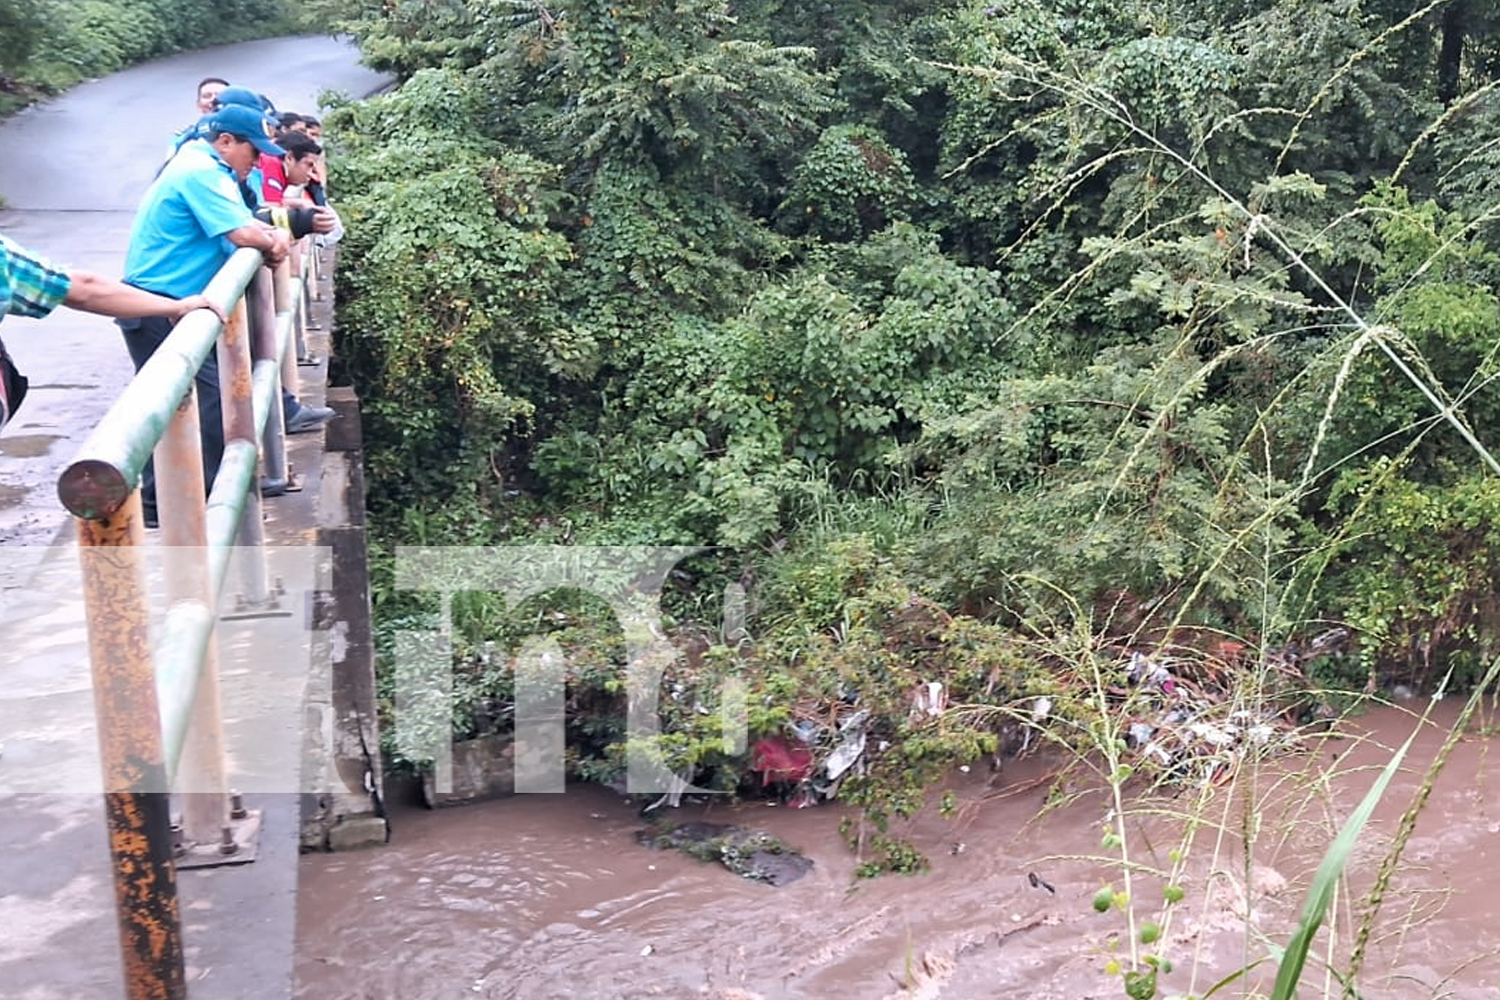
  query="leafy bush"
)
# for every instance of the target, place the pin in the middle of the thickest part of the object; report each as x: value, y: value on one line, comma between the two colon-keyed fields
x: 1418, y: 565
x: 956, y: 323
x: 851, y: 184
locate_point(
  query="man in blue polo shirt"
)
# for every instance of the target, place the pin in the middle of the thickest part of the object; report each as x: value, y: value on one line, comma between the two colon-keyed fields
x: 191, y: 220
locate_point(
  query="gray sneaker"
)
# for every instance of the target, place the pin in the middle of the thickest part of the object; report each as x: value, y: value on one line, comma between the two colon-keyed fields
x: 308, y: 418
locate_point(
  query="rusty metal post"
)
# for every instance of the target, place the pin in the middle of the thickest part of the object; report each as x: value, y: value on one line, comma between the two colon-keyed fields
x: 235, y: 375
x: 137, y: 807
x: 179, y: 491
x: 281, y: 283
x: 296, y: 351
x: 235, y: 391
x: 301, y: 269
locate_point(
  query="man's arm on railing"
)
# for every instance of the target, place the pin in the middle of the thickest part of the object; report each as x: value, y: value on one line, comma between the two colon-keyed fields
x: 89, y: 292
x: 270, y: 241
x: 301, y: 219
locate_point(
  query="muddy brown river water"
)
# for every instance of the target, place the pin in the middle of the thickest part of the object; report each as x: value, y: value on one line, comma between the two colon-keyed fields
x: 538, y: 897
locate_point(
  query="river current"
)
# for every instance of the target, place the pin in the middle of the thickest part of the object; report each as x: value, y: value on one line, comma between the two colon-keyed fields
x: 551, y: 896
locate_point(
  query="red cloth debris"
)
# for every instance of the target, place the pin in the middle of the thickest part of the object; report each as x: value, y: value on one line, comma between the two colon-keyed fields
x: 1231, y: 651
x: 778, y: 760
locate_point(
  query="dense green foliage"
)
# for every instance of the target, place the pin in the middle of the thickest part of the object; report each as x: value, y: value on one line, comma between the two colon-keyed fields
x: 1058, y: 323
x: 48, y: 45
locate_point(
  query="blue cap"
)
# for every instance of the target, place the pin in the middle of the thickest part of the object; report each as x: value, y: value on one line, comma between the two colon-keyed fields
x: 243, y: 96
x: 245, y: 123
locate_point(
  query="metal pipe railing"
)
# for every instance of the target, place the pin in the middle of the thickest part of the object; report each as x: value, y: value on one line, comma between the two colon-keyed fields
x: 179, y: 499
x: 226, y: 508
x: 261, y: 298
x: 158, y: 712
x: 185, y: 636
x: 187, y: 625
x: 109, y: 464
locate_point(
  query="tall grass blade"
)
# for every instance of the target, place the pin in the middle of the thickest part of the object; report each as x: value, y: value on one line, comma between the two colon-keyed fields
x: 1332, y: 867
x: 1230, y: 979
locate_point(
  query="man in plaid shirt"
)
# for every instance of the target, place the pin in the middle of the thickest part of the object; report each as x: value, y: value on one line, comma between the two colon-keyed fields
x: 31, y: 286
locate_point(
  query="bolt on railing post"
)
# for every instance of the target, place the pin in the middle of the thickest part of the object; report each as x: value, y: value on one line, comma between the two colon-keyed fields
x: 137, y: 806
x: 184, y: 535
x: 236, y: 387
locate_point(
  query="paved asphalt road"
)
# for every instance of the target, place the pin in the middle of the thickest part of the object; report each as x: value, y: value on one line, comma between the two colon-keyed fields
x: 72, y: 171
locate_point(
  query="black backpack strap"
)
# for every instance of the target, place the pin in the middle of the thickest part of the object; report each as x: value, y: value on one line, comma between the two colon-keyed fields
x: 13, y: 386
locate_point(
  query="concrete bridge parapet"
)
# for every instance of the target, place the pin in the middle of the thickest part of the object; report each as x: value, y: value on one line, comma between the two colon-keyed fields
x: 346, y: 740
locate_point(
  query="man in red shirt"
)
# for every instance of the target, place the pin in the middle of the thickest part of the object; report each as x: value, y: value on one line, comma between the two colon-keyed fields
x: 294, y: 170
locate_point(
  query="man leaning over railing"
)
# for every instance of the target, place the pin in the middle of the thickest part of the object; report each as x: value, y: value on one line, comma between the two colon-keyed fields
x: 190, y: 222
x: 30, y: 285
x: 299, y: 173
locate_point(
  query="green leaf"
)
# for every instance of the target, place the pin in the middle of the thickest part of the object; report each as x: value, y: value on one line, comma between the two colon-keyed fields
x: 1320, y: 896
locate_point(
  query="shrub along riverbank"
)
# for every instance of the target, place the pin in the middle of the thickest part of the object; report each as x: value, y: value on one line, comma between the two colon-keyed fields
x: 1053, y: 372
x: 47, y: 46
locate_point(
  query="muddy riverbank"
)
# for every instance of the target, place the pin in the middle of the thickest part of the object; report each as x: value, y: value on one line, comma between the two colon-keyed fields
x: 539, y: 897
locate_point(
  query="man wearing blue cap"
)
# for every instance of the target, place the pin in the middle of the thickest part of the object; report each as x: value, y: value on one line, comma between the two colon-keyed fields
x: 192, y: 217
x: 190, y: 221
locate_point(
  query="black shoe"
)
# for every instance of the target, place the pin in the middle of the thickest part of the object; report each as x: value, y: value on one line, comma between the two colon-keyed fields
x: 148, y: 515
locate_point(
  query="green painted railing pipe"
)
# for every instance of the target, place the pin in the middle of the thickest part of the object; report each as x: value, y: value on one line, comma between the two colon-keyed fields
x: 265, y: 375
x: 286, y: 322
x: 187, y: 626
x: 226, y: 507
x: 110, y: 462
x: 179, y: 668
x: 265, y: 390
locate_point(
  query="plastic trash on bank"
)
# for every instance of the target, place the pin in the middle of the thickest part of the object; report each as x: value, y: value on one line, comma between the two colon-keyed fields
x: 778, y: 760
x: 1146, y: 672
x: 928, y: 700
x: 851, y: 745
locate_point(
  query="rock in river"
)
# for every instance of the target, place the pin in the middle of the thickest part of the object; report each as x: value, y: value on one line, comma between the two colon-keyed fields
x: 751, y: 854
